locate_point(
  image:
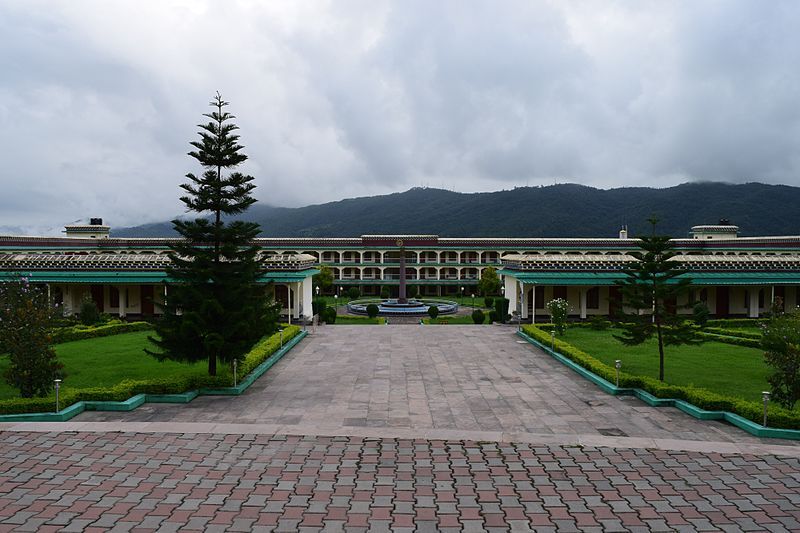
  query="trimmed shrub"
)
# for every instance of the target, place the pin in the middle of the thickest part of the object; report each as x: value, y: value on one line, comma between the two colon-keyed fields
x: 488, y: 302
x: 735, y: 322
x: 330, y: 315
x: 493, y: 316
x: 353, y: 293
x: 736, y: 341
x: 598, y: 323
x: 385, y: 292
x: 433, y: 312
x: 88, y: 313
x: 478, y: 317
x: 318, y: 306
x: 372, y: 310
x: 501, y: 308
x: 115, y: 327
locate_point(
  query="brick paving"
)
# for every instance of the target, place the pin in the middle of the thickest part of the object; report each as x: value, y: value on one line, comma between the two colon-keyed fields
x: 68, y: 481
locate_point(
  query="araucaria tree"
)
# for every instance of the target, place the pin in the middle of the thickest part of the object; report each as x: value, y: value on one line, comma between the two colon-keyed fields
x: 26, y: 322
x: 214, y: 310
x: 652, y: 286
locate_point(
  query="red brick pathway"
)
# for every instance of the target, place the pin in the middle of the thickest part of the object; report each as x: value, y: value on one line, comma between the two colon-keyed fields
x: 173, y: 481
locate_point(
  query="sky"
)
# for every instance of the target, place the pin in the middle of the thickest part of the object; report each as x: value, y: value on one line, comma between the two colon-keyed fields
x: 336, y: 99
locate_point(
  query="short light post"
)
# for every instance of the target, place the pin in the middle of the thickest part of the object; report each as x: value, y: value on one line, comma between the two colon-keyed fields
x: 473, y: 301
x: 235, y: 364
x: 765, y: 398
x: 317, y: 289
x: 617, y: 366
x: 58, y: 388
x: 462, y: 295
x: 336, y: 303
x: 281, y: 332
x: 553, y: 339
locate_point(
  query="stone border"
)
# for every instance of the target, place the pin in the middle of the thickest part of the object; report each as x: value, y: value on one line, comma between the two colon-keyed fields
x: 732, y: 418
x: 545, y: 439
x: 135, y: 401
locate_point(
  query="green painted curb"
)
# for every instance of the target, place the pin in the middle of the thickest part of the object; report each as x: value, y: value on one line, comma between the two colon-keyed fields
x: 135, y: 401
x: 606, y: 386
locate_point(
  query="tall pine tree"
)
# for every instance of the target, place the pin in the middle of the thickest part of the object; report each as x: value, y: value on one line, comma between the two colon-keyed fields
x: 214, y: 310
x: 651, y: 288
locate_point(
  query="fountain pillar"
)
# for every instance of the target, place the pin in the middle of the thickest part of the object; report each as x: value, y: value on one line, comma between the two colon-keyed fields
x: 401, y: 297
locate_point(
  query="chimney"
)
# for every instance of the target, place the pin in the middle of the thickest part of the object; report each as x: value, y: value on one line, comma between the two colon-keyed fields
x: 93, y: 230
x: 623, y: 232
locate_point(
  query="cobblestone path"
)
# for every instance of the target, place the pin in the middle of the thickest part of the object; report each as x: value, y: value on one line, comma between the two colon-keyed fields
x: 72, y: 481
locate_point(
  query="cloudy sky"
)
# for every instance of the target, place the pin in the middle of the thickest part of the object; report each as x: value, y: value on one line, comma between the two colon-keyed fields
x: 99, y: 99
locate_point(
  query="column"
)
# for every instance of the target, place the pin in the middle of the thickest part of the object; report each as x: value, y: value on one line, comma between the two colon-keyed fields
x: 533, y: 304
x: 524, y: 301
x: 752, y: 311
x: 307, y: 296
x: 297, y: 300
x: 123, y: 300
x: 511, y: 293
x: 582, y: 291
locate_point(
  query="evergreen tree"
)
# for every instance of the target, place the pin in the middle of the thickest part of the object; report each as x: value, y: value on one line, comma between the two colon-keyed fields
x: 652, y: 286
x: 214, y: 309
x: 26, y: 322
x: 489, y: 282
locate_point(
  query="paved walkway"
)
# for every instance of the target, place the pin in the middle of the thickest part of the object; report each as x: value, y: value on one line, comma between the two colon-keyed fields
x: 401, y: 428
x: 469, y: 379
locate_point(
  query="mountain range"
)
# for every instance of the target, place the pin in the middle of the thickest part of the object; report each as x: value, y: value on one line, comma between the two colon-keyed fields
x: 565, y: 210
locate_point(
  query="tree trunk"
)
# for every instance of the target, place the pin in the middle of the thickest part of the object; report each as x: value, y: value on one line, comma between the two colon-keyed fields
x: 660, y: 352
x: 212, y: 365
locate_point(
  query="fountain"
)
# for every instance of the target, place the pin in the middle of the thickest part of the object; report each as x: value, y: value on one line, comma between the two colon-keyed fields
x: 402, y: 306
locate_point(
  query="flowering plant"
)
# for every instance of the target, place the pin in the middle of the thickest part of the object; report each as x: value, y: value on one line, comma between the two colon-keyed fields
x: 559, y: 309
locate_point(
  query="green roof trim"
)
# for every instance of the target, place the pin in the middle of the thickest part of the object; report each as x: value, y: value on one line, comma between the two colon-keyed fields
x: 699, y: 278
x: 123, y: 277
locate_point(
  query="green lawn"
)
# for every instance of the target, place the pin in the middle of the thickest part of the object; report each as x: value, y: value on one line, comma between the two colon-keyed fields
x: 106, y: 361
x: 722, y: 368
x: 453, y: 319
x: 350, y: 320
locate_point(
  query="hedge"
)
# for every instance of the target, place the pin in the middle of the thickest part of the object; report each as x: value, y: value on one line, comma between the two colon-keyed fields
x: 734, y: 322
x: 756, y: 335
x: 702, y: 398
x: 128, y: 388
x: 77, y: 333
x: 730, y: 339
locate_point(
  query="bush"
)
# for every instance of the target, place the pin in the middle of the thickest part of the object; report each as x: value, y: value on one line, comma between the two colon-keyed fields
x: 501, y: 307
x: 493, y: 316
x: 736, y: 341
x: 700, y: 314
x: 488, y: 302
x: 88, y: 313
x: 478, y: 317
x: 385, y: 293
x: 559, y: 309
x: 114, y: 327
x: 702, y: 398
x: 372, y: 310
x: 412, y: 291
x: 599, y: 323
x: 330, y: 315
x: 353, y: 293
x: 318, y: 306
x: 735, y: 322
x: 781, y: 344
x: 433, y: 312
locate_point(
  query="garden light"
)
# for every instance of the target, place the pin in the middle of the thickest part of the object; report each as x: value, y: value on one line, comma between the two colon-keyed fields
x: 765, y: 398
x: 234, y: 371
x: 58, y: 387
x: 617, y: 365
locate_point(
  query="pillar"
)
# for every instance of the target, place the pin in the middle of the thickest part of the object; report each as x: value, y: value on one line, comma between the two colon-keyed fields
x: 307, y: 294
x: 524, y: 301
x: 752, y: 312
x: 511, y: 293
x: 123, y: 300
x: 583, y: 291
x: 533, y: 304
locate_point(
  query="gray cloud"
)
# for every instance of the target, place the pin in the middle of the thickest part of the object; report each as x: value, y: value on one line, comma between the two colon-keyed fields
x: 99, y: 100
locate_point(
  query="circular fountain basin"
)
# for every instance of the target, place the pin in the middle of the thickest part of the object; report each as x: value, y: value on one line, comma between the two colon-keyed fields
x: 392, y: 307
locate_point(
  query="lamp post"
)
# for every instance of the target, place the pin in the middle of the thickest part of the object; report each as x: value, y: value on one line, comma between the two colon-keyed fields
x: 617, y: 366
x: 58, y: 387
x: 234, y: 371
x: 473, y: 301
x: 317, y: 289
x: 281, y: 332
x: 336, y: 303
x: 462, y: 295
x: 765, y: 399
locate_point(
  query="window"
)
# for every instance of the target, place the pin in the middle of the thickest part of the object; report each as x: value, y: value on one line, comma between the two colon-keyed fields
x: 113, y: 297
x: 593, y: 298
x: 539, y: 297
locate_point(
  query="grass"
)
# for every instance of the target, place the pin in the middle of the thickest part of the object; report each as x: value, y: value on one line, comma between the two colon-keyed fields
x: 106, y: 361
x: 453, y: 319
x: 723, y: 368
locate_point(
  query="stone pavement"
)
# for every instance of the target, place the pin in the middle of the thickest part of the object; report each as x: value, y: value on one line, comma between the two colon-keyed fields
x: 172, y: 481
x: 468, y: 379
